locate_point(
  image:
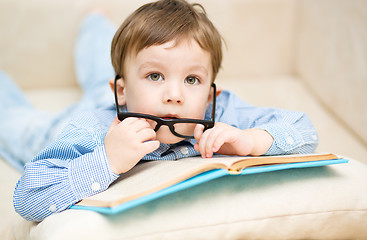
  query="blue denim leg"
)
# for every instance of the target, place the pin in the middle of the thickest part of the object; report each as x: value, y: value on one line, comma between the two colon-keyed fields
x: 93, y: 60
x: 24, y: 130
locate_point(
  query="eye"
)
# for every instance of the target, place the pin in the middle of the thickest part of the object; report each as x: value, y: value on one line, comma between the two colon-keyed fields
x: 192, y: 80
x: 155, y: 77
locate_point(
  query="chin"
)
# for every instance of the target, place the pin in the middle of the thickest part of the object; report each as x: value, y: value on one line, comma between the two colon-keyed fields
x: 167, y: 137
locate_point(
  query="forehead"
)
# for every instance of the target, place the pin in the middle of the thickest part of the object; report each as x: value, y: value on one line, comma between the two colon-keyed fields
x: 184, y: 52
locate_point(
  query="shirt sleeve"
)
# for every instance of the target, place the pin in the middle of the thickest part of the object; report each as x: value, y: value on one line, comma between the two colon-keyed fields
x: 72, y: 168
x: 292, y: 131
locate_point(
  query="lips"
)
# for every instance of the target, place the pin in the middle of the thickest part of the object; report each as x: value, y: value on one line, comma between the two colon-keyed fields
x: 170, y: 116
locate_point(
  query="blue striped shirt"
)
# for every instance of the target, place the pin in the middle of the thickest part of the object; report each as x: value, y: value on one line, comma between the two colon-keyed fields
x: 75, y: 166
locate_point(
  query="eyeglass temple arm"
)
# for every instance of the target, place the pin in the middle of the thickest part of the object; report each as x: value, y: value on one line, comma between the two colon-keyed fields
x: 117, y: 77
x: 214, y: 101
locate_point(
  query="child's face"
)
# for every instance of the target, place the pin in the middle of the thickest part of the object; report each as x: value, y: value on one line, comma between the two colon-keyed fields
x: 168, y: 81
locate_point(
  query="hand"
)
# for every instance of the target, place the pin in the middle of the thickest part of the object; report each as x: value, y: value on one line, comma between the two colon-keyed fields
x: 127, y: 142
x: 229, y: 140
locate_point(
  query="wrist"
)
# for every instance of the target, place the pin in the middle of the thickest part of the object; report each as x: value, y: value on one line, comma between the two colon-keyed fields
x: 261, y: 141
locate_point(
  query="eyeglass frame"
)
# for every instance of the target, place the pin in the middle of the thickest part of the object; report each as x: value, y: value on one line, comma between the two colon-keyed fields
x: 168, y: 122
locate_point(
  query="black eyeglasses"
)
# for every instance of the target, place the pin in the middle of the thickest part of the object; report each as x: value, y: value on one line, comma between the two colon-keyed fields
x: 182, y: 127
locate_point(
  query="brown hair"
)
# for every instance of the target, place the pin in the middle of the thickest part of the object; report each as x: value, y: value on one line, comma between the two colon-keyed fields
x: 160, y: 22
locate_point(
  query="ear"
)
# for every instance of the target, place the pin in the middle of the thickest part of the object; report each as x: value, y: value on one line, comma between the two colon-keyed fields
x: 219, y: 90
x: 120, y: 89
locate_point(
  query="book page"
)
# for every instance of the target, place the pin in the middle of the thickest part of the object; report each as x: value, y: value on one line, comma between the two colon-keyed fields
x: 280, y: 159
x: 152, y: 176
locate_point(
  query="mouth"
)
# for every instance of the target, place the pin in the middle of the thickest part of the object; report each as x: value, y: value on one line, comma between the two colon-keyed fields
x: 170, y: 116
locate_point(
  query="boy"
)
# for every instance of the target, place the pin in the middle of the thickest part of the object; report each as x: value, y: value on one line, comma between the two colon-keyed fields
x: 166, y: 56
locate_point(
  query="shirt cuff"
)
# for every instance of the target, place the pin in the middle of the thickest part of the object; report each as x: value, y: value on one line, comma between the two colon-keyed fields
x: 287, y: 139
x: 91, y: 173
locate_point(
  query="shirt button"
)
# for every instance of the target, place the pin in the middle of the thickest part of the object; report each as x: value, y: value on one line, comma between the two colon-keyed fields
x: 52, y: 208
x: 96, y: 186
x: 184, y: 150
x: 289, y: 140
x: 314, y: 137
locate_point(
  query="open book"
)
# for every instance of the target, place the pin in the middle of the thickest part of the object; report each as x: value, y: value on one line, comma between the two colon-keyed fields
x: 153, y: 179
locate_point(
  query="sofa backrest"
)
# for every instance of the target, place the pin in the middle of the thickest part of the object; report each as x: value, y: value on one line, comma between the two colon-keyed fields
x: 331, y: 57
x: 324, y: 42
x: 37, y: 37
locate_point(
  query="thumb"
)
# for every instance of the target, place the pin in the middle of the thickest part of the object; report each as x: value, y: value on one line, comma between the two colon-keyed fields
x: 114, y: 123
x: 150, y: 146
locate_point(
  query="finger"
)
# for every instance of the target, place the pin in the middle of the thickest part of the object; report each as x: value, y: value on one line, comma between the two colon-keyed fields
x: 198, y: 131
x: 147, y: 134
x: 196, y: 147
x: 150, y: 146
x: 203, y: 142
x: 211, y: 140
x: 129, y: 120
x: 139, y: 124
x: 218, y: 141
x: 142, y: 124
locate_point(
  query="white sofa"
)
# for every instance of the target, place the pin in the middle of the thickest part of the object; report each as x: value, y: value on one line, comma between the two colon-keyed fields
x: 306, y: 55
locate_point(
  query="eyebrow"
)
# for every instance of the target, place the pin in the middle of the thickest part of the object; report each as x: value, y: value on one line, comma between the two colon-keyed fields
x: 199, y: 68
x: 150, y: 64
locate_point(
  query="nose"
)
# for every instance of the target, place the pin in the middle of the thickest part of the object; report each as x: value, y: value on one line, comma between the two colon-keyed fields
x: 173, y: 94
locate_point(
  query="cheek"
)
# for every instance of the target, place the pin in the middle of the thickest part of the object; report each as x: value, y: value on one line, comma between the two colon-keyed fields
x: 198, y: 107
x: 164, y: 135
x: 140, y: 101
x: 200, y: 112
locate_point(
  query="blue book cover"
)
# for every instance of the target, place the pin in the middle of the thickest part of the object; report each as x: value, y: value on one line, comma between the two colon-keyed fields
x: 154, y: 179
